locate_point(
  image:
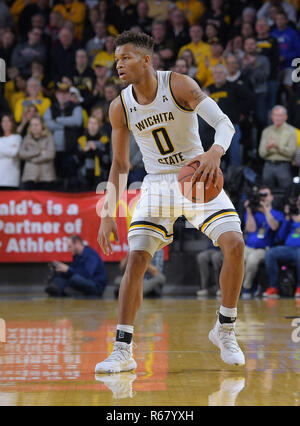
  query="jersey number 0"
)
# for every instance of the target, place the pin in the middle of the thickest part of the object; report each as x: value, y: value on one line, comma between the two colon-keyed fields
x: 163, y: 141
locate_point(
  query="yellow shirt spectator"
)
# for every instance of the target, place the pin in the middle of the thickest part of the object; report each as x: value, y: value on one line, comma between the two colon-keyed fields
x: 73, y: 11
x: 41, y: 103
x: 193, y: 10
x: 200, y: 50
x: 204, y: 74
x: 104, y: 59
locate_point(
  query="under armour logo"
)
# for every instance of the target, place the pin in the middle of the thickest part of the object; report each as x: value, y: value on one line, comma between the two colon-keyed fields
x: 133, y: 109
x: 165, y: 98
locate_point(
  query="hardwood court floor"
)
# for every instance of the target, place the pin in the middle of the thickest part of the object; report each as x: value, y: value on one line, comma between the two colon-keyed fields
x: 53, y: 345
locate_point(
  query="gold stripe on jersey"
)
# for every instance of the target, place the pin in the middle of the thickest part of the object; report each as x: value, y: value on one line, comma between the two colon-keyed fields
x: 174, y: 100
x: 216, y: 216
x: 125, y: 109
x: 152, y: 227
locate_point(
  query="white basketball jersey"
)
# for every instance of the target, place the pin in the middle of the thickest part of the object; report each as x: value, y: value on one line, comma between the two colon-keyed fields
x: 165, y: 132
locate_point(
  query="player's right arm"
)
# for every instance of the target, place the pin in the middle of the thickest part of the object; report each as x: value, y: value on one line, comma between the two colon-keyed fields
x: 118, y: 175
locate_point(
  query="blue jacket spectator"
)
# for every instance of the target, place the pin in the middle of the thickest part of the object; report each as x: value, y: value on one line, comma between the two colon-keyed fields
x: 288, y: 40
x: 289, y: 234
x: 85, y: 275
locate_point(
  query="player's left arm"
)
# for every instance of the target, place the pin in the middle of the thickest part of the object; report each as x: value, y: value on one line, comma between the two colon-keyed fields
x: 188, y: 94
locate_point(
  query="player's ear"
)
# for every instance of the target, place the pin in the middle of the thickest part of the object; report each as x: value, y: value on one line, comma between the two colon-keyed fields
x: 147, y: 60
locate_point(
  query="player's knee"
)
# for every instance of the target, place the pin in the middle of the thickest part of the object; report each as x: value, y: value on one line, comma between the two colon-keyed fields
x: 139, y: 260
x: 235, y: 247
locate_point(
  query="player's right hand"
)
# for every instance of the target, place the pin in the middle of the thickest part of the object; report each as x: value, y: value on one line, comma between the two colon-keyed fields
x: 108, y: 226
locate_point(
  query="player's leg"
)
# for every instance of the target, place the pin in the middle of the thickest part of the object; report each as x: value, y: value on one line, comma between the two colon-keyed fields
x: 142, y: 248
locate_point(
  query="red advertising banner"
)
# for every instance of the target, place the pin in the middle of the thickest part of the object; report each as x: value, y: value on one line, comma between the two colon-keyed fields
x: 35, y: 225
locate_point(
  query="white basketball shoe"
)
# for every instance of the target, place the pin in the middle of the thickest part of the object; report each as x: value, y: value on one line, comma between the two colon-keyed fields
x: 121, y: 359
x: 223, y: 336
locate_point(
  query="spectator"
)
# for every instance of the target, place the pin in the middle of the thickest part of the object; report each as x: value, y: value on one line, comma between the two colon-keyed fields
x: 211, y: 31
x: 6, y: 18
x: 17, y: 90
x: 278, y: 147
x: 34, y: 97
x: 229, y: 96
x: 192, y: 9
x: 262, y: 223
x: 294, y: 108
x: 216, y: 57
x: 38, y: 151
x: 29, y: 112
x: 143, y: 19
x: 289, y: 10
x: 64, y: 119
x: 74, y: 11
x: 162, y: 44
x: 289, y: 45
x: 247, y: 30
x: 233, y: 68
x: 107, y: 56
x: 216, y: 15
x: 179, y: 29
x: 9, y: 149
x: 86, y: 275
x: 157, y: 62
x: 111, y: 91
x: 102, y: 74
x: 7, y: 47
x: 82, y: 75
x: 94, y: 153
x: 197, y: 46
x: 158, y: 9
x: 122, y: 15
x: 56, y: 22
x: 25, y: 52
x: 256, y: 69
x: 288, y: 253
x: 209, y: 265
x: 41, y: 7
x: 97, y: 43
x: 181, y: 66
x: 154, y: 278
x: 63, y: 55
x: 268, y: 46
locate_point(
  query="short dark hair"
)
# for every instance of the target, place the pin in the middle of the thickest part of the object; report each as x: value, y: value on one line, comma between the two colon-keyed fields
x: 76, y: 239
x: 137, y: 39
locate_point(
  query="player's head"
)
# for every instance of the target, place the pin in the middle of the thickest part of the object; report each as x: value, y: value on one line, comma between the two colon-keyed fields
x: 133, y: 55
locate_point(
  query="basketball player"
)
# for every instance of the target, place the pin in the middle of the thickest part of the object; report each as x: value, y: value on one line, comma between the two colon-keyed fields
x: 161, y: 108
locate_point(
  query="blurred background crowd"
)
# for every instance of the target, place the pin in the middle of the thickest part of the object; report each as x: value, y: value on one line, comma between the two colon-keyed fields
x: 60, y: 80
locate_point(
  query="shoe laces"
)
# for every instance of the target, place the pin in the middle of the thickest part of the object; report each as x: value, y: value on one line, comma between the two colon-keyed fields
x: 227, y: 335
x: 121, y: 351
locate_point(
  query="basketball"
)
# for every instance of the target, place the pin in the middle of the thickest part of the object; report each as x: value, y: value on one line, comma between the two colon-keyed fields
x: 196, y: 191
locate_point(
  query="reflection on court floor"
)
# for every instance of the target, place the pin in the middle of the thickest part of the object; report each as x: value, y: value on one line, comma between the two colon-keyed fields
x: 52, y: 347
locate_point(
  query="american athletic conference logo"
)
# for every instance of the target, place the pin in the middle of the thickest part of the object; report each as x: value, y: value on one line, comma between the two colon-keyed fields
x: 2, y: 71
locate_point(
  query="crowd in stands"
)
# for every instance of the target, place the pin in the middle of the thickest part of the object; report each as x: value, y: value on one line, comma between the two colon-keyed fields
x: 61, y: 79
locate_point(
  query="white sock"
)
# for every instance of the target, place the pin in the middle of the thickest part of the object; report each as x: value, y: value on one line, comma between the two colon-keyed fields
x: 126, y: 328
x: 228, y: 312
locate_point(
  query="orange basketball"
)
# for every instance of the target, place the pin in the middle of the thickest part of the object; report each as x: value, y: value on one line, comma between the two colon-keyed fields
x: 196, y: 191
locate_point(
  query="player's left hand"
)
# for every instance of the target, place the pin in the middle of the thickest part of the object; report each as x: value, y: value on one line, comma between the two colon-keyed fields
x: 209, y: 165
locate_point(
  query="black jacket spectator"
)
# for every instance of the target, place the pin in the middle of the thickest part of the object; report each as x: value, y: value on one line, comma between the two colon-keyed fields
x: 38, y: 8
x: 63, y: 55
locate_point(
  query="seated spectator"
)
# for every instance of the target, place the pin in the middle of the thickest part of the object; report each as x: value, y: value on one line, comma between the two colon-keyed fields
x: 209, y: 265
x: 94, y: 155
x: 247, y: 30
x: 289, y: 46
x: 204, y: 74
x: 25, y: 52
x: 74, y: 11
x: 154, y: 279
x: 262, y: 223
x: 192, y: 9
x: 107, y: 56
x: 191, y: 62
x: 38, y: 151
x: 96, y: 44
x: 9, y: 149
x: 86, y: 275
x: 233, y: 68
x: 34, y: 97
x: 40, y: 7
x: 103, y: 75
x: 56, y: 22
x: 216, y: 14
x: 15, y: 90
x: 111, y: 91
x: 179, y: 29
x: 5, y: 15
x: 64, y: 119
x: 278, y: 147
x: 211, y: 31
x: 39, y: 21
x: 82, y: 75
x: 264, y: 11
x: 29, y: 112
x: 267, y: 45
x: 162, y: 43
x: 197, y: 46
x: 157, y: 62
x: 98, y: 112
x: 289, y: 252
x: 63, y: 55
x: 256, y: 69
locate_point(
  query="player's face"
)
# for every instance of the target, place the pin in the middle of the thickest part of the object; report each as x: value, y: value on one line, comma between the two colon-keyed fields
x: 130, y: 63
